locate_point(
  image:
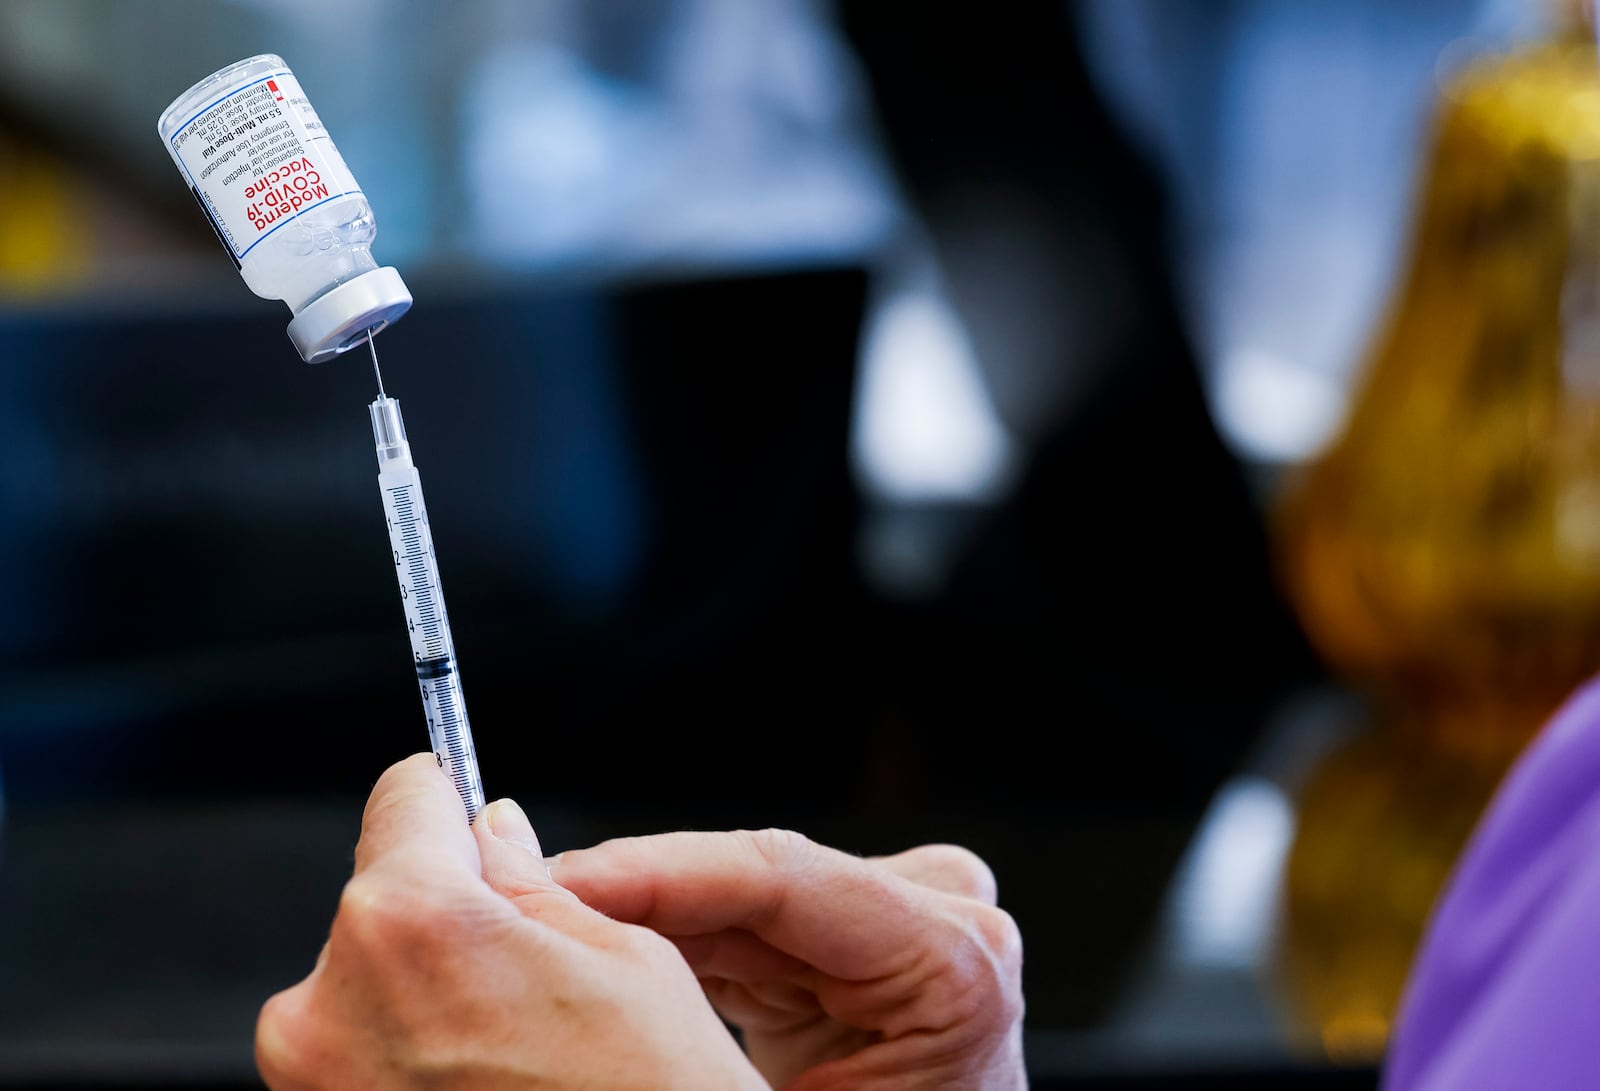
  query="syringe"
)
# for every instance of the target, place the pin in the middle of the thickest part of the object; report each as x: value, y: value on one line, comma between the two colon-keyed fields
x: 433, y: 650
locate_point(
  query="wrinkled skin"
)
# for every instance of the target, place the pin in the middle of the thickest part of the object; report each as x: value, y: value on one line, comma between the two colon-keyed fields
x: 432, y: 977
x: 892, y: 972
x: 457, y: 959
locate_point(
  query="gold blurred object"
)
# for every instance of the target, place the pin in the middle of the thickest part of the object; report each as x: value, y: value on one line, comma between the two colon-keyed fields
x: 1444, y: 554
x: 43, y: 238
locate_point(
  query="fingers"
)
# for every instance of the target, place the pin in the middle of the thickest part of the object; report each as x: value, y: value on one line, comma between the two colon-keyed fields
x: 843, y: 915
x: 737, y: 955
x: 415, y: 822
x: 950, y: 869
x: 414, y: 846
x: 513, y: 863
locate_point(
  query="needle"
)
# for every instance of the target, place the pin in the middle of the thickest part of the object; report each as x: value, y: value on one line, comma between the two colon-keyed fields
x: 375, y: 370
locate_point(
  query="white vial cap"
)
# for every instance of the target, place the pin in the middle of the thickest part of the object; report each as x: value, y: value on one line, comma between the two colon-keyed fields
x: 341, y: 319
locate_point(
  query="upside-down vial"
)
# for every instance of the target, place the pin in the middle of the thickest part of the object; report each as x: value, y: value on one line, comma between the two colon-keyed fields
x: 284, y: 204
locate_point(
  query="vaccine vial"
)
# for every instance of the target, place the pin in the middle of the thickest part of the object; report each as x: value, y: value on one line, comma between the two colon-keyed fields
x: 284, y: 204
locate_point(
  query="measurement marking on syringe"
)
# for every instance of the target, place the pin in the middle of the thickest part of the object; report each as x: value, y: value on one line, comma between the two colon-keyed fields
x: 428, y: 623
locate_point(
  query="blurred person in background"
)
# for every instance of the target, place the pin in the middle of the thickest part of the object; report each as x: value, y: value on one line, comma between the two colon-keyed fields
x: 1503, y: 993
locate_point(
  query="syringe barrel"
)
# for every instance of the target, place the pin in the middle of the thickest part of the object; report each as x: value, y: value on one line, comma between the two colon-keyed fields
x: 427, y: 622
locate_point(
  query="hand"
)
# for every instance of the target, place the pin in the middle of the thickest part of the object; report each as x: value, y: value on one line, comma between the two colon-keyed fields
x: 431, y: 977
x: 839, y: 972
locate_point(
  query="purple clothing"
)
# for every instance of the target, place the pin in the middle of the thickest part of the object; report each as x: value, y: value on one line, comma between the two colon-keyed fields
x: 1505, y: 991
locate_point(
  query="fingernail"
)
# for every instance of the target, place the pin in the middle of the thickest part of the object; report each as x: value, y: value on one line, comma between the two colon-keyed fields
x: 553, y: 862
x: 508, y: 823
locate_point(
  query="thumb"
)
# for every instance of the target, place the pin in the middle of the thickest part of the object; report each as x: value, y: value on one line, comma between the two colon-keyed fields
x: 513, y: 863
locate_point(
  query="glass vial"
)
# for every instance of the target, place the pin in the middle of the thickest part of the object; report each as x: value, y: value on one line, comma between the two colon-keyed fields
x: 283, y: 203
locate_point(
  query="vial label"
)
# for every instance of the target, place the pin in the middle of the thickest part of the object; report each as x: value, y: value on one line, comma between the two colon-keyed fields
x: 257, y: 158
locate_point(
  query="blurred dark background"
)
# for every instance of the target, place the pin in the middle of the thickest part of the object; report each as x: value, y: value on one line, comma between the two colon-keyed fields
x: 851, y: 417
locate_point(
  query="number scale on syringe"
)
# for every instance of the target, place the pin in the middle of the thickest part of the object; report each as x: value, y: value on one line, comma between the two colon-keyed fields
x: 427, y: 623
